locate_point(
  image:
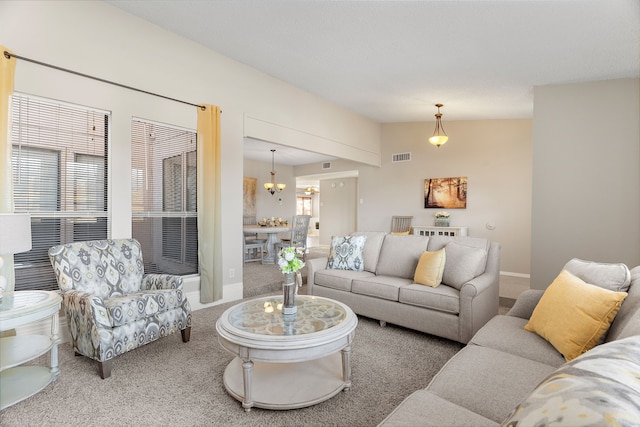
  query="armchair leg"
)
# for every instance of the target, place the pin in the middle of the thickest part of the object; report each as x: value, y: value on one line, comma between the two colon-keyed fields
x: 104, y: 368
x: 186, y: 334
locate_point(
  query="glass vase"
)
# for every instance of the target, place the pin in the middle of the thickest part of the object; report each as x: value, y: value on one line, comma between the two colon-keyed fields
x: 289, y: 294
x: 442, y: 222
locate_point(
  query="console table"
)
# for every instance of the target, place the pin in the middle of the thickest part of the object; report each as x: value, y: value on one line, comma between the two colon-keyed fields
x: 16, y: 309
x: 432, y: 230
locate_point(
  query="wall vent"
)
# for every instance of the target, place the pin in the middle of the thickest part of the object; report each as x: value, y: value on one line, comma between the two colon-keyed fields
x: 401, y: 157
x: 326, y: 165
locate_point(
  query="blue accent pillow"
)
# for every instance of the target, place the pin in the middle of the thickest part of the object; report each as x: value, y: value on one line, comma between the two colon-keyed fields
x: 346, y: 253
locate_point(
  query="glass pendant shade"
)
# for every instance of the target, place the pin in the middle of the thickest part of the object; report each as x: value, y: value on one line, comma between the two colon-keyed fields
x: 439, y: 136
x: 438, y: 140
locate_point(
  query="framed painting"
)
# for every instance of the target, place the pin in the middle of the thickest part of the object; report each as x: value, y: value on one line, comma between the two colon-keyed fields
x: 445, y: 193
x: 249, y: 196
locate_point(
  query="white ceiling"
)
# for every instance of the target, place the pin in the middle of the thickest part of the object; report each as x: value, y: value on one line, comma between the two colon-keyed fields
x: 392, y: 60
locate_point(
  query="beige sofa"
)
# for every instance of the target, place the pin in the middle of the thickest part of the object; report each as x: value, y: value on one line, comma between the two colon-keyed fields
x: 385, y: 289
x: 495, y: 378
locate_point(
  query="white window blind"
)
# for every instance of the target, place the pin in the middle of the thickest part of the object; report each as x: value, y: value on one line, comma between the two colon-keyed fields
x: 59, y: 165
x: 163, y: 196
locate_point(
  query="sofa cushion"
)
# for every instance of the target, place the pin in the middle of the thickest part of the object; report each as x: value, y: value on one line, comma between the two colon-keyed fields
x: 426, y: 409
x: 615, y: 277
x: 338, y: 279
x: 487, y: 381
x: 627, y: 321
x: 430, y: 268
x: 371, y: 251
x: 400, y: 254
x: 573, y: 315
x: 601, y: 387
x: 126, y: 309
x: 439, y: 242
x: 346, y: 253
x: 442, y: 298
x: 463, y: 263
x: 385, y: 287
x: 507, y: 334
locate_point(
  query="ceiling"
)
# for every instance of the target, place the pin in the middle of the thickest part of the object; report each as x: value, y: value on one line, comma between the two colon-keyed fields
x: 392, y: 60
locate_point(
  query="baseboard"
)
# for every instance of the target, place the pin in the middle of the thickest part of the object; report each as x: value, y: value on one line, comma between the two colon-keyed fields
x: 511, y: 274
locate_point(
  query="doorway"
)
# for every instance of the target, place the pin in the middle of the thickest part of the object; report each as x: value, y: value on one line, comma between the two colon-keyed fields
x: 334, y: 208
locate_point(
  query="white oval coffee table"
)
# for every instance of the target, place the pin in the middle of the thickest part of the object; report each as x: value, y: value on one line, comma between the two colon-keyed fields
x: 287, y: 362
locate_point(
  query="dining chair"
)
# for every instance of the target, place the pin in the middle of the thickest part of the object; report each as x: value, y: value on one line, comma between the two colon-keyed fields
x: 401, y: 224
x: 251, y: 237
x: 299, y: 232
x: 252, y: 250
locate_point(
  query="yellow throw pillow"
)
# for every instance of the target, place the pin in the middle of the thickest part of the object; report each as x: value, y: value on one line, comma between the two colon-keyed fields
x: 430, y: 268
x: 401, y: 232
x: 573, y: 315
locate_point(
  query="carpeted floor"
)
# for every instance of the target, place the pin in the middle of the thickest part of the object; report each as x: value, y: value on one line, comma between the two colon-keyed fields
x: 168, y: 382
x: 261, y: 279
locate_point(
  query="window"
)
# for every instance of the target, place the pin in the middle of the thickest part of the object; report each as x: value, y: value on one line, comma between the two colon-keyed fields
x: 303, y: 205
x: 163, y: 196
x: 59, y: 166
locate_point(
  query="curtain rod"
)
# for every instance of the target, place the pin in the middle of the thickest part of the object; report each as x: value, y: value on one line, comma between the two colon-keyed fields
x: 8, y: 55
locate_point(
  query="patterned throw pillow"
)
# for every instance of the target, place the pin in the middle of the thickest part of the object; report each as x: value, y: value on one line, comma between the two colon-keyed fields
x: 599, y: 388
x: 346, y: 253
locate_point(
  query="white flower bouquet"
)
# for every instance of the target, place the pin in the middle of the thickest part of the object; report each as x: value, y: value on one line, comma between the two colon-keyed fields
x: 272, y: 222
x: 442, y: 214
x: 288, y: 260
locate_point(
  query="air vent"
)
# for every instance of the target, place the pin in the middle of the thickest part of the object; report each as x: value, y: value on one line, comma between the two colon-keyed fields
x: 326, y: 165
x: 401, y: 157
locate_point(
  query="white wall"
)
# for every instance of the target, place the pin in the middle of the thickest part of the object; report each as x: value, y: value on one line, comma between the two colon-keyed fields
x: 98, y: 39
x: 586, y: 175
x: 495, y: 155
x: 338, y: 208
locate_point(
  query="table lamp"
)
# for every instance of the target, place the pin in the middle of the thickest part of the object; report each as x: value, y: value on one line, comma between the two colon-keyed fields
x: 15, y: 237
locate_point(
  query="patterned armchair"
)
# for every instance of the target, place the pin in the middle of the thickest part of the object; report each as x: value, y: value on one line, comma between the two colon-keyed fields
x: 111, y: 305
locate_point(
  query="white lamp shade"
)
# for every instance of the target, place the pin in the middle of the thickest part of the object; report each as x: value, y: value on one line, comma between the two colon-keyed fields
x: 15, y: 233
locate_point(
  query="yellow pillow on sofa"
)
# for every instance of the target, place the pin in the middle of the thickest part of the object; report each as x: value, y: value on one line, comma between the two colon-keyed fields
x: 406, y: 233
x: 430, y: 268
x: 573, y: 315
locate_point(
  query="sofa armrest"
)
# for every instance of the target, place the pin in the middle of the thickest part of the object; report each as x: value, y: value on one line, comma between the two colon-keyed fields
x: 479, y: 299
x: 161, y: 281
x: 89, y: 323
x: 525, y: 304
x: 314, y: 265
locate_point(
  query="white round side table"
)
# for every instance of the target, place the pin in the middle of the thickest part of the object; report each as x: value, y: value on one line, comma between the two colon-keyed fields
x: 16, y: 309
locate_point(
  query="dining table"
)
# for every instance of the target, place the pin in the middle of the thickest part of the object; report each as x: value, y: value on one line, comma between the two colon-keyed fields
x: 272, y: 239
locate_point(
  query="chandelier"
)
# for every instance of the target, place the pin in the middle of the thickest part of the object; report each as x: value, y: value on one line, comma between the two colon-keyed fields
x: 310, y: 191
x: 439, y: 136
x: 271, y: 186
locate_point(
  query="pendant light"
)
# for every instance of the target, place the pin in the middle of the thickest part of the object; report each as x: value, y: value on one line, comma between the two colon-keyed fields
x: 271, y: 186
x: 439, y: 136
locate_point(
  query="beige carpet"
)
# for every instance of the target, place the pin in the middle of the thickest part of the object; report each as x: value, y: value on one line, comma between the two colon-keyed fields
x: 169, y: 383
x: 261, y: 279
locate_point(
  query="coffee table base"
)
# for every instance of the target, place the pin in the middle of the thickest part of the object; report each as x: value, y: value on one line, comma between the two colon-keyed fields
x: 287, y: 385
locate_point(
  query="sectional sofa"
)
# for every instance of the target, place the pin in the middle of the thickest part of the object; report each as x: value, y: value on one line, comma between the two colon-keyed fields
x: 509, y: 376
x: 385, y: 289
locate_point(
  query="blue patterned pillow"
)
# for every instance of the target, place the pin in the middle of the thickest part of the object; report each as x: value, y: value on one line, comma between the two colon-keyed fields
x: 600, y: 387
x: 346, y: 253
